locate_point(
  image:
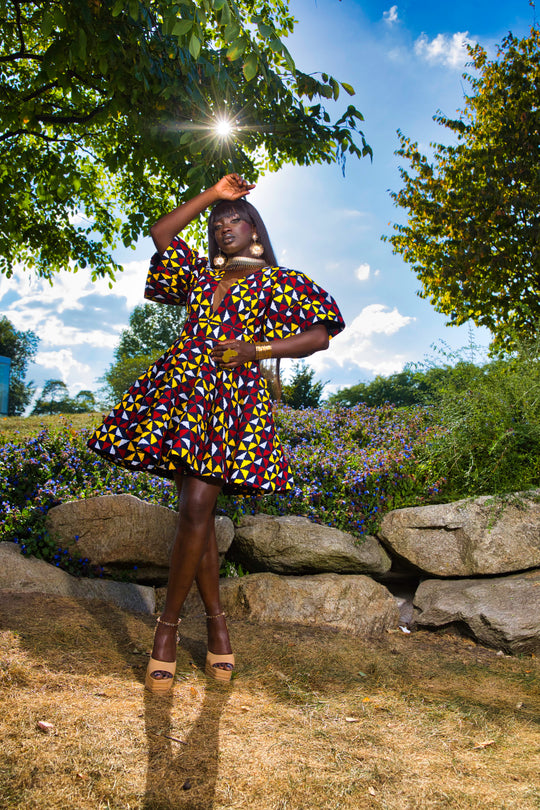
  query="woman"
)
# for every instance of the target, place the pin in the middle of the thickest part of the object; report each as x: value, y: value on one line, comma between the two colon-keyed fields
x: 202, y: 413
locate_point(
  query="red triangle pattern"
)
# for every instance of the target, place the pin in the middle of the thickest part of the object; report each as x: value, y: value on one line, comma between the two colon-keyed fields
x: 185, y: 412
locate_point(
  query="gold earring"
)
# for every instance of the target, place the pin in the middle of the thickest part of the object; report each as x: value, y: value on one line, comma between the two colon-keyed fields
x: 256, y: 249
x: 219, y: 260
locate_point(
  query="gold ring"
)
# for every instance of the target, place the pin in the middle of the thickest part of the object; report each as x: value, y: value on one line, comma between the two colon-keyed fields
x: 228, y: 355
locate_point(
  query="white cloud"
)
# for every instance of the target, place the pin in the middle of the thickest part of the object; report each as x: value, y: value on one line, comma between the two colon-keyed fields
x: 362, y: 272
x: 75, y: 374
x: 391, y: 16
x: 447, y: 50
x: 69, y: 289
x: 351, y: 213
x: 355, y: 346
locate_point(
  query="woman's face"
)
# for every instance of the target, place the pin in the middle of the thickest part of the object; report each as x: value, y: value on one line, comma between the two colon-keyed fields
x: 233, y: 234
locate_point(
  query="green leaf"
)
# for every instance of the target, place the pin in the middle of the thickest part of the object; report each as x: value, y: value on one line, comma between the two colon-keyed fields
x: 288, y: 59
x: 59, y: 17
x: 231, y: 32
x: 82, y: 43
x: 194, y: 45
x: 236, y: 49
x: 218, y: 4
x: 133, y: 8
x: 266, y: 31
x: 348, y: 88
x: 225, y: 15
x: 250, y: 67
x: 118, y: 7
x: 181, y: 27
x: 47, y: 24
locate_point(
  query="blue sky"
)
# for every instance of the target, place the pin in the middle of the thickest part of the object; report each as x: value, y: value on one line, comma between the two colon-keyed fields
x: 405, y: 61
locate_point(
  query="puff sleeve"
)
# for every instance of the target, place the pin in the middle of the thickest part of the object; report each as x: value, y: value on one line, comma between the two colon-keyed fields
x: 297, y: 303
x: 171, y: 274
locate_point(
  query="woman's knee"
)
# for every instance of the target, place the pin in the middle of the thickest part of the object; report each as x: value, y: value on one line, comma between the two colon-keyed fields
x: 198, y: 502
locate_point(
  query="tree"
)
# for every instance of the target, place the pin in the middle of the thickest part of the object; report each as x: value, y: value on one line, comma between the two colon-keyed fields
x: 86, y: 401
x: 407, y: 387
x: 110, y: 106
x: 55, y: 399
x: 473, y: 230
x: 302, y: 392
x: 412, y: 386
x: 20, y: 347
x: 153, y: 328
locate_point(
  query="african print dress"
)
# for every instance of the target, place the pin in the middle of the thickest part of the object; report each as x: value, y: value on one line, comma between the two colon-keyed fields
x: 186, y: 412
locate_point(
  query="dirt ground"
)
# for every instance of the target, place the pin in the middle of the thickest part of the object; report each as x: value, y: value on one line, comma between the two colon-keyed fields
x: 313, y: 718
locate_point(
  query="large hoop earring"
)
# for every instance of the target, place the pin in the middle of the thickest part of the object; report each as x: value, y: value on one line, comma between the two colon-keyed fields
x: 256, y: 249
x: 220, y: 260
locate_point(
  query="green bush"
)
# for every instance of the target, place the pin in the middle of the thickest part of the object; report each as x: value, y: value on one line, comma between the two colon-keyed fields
x: 491, y: 418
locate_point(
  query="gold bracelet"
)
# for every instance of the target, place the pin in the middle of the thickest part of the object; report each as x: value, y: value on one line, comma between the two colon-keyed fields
x: 263, y: 351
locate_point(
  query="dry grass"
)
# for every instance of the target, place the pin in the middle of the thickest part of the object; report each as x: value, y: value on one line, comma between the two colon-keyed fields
x: 17, y: 427
x: 434, y: 721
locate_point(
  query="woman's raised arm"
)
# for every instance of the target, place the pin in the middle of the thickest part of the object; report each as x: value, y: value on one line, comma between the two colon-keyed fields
x: 230, y: 187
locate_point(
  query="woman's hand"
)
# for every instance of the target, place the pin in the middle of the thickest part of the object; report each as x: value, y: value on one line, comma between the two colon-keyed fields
x: 232, y: 187
x: 232, y: 353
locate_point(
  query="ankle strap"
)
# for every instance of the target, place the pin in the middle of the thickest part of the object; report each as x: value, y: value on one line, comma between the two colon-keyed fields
x: 159, y: 620
x: 216, y: 616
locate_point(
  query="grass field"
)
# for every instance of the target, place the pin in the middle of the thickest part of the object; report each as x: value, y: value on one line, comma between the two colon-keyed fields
x: 20, y: 427
x: 314, y: 719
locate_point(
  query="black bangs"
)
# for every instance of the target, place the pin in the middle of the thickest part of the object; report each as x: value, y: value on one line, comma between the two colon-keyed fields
x: 226, y: 208
x: 247, y: 212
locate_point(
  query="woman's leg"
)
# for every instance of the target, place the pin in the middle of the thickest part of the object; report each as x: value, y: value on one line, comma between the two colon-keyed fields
x: 196, y: 519
x: 208, y: 585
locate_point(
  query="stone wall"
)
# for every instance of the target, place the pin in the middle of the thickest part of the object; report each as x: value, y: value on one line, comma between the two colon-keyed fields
x: 471, y: 566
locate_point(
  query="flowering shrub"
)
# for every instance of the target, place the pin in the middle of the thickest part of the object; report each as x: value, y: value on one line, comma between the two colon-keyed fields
x: 349, y: 465
x: 43, y: 471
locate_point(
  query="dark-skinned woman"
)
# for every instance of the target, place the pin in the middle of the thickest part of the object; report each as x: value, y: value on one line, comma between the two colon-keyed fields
x: 202, y: 413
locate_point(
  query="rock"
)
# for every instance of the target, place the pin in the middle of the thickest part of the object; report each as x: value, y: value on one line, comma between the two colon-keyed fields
x: 481, y: 536
x: 28, y: 574
x: 357, y: 604
x: 121, y: 531
x: 295, y: 545
x: 503, y: 612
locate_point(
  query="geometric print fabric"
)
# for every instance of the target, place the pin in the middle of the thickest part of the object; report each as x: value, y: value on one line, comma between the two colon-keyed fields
x: 185, y: 412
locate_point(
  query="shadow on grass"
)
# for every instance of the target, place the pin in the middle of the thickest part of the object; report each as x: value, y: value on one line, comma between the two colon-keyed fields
x: 183, y: 774
x: 91, y: 638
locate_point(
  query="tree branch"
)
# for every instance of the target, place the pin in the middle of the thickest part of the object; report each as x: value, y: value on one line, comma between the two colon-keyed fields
x: 70, y: 119
x: 40, y: 90
x: 19, y: 26
x: 36, y: 134
x: 20, y: 55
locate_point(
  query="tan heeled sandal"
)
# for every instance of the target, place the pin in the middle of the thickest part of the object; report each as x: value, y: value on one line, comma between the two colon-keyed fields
x: 160, y: 686
x: 211, y: 669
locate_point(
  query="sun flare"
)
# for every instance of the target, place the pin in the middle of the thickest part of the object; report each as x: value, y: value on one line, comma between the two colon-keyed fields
x: 223, y: 128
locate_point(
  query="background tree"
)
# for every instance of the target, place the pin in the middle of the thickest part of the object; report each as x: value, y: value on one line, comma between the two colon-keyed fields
x: 20, y: 347
x: 110, y: 106
x: 412, y: 386
x: 152, y: 329
x: 407, y: 387
x: 55, y: 399
x: 473, y: 230
x: 301, y: 391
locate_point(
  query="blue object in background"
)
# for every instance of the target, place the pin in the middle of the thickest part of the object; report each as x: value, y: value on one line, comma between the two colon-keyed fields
x: 5, y: 367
